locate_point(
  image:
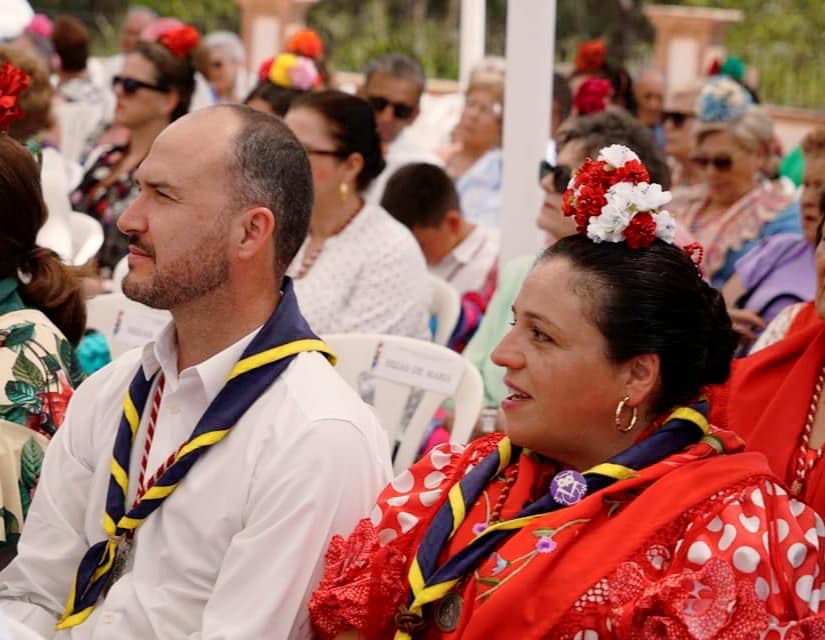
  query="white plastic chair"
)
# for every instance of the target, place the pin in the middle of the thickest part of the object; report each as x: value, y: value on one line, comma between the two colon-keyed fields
x: 446, y: 307
x: 382, y: 369
x: 87, y: 237
x: 126, y: 324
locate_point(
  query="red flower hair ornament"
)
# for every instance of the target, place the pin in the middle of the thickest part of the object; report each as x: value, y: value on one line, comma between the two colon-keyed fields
x: 13, y: 82
x: 307, y: 43
x: 591, y: 56
x: 612, y: 200
x: 593, y: 96
x: 180, y: 40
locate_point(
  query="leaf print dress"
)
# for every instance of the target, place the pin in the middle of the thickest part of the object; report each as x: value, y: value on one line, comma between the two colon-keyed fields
x: 39, y: 373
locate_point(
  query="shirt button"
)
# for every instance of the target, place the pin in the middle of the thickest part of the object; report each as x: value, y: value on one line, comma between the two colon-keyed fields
x: 174, y: 409
x: 108, y: 617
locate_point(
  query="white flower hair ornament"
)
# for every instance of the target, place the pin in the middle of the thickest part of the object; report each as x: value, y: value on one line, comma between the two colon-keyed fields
x: 612, y: 200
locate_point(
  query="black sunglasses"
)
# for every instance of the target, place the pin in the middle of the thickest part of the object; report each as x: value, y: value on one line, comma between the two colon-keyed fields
x: 678, y: 118
x: 399, y: 109
x: 722, y: 162
x: 131, y: 85
x: 561, y: 175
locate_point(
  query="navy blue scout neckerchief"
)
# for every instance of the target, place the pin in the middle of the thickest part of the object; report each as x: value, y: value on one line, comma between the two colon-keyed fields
x: 284, y: 335
x: 430, y: 583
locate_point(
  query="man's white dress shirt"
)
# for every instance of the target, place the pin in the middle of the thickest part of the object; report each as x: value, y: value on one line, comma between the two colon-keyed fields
x: 468, y: 265
x: 236, y: 550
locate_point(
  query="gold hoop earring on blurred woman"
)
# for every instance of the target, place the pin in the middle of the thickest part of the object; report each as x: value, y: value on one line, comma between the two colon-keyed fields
x: 343, y: 191
x: 619, y: 410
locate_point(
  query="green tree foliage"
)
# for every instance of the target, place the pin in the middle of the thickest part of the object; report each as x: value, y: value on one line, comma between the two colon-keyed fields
x: 783, y: 40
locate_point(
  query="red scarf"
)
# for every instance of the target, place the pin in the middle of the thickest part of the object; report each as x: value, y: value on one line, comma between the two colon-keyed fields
x: 588, y: 540
x: 766, y: 401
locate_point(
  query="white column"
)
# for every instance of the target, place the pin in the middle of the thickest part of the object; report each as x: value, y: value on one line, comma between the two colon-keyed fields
x: 531, y: 30
x: 473, y: 19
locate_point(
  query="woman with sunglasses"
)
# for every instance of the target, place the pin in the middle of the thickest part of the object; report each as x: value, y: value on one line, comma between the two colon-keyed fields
x: 476, y: 164
x: 612, y: 509
x: 733, y: 147
x: 153, y: 89
x: 359, y: 269
x: 776, y: 280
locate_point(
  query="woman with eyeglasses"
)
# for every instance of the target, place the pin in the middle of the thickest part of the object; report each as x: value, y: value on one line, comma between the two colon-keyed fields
x: 153, y: 89
x: 359, y: 269
x: 476, y: 165
x: 733, y: 148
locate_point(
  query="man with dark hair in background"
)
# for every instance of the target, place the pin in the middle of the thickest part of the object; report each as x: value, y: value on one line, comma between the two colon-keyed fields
x: 393, y: 86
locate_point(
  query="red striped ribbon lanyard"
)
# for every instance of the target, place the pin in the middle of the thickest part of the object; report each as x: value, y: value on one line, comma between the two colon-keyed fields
x: 143, y: 485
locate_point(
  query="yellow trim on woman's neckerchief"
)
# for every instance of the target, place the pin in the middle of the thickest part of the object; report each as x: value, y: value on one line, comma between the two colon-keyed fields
x: 469, y: 488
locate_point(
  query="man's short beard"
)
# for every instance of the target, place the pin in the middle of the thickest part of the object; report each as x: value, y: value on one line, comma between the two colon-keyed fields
x: 186, y: 280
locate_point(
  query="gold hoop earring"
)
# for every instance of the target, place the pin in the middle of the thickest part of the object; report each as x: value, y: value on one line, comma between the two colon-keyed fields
x: 619, y: 410
x: 343, y: 191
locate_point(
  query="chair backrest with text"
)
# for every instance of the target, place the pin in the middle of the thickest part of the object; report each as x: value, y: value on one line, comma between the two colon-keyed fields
x: 124, y: 323
x: 406, y: 381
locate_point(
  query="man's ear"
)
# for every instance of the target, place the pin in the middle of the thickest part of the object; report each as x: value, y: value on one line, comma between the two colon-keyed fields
x: 452, y: 221
x: 258, y: 226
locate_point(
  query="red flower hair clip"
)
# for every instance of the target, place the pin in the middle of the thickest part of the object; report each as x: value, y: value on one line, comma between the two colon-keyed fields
x: 612, y: 200
x: 306, y: 43
x: 591, y: 56
x: 13, y: 82
x: 593, y: 96
x: 180, y: 40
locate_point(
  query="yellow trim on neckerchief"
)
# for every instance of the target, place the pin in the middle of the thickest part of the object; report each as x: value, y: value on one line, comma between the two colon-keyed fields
x: 157, y: 493
x: 278, y: 353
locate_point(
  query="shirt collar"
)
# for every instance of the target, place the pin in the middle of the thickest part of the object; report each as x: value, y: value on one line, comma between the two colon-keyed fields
x: 162, y: 354
x: 468, y: 248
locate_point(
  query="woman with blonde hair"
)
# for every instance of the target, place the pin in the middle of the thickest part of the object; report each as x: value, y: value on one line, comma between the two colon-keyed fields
x: 476, y: 165
x: 733, y: 147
